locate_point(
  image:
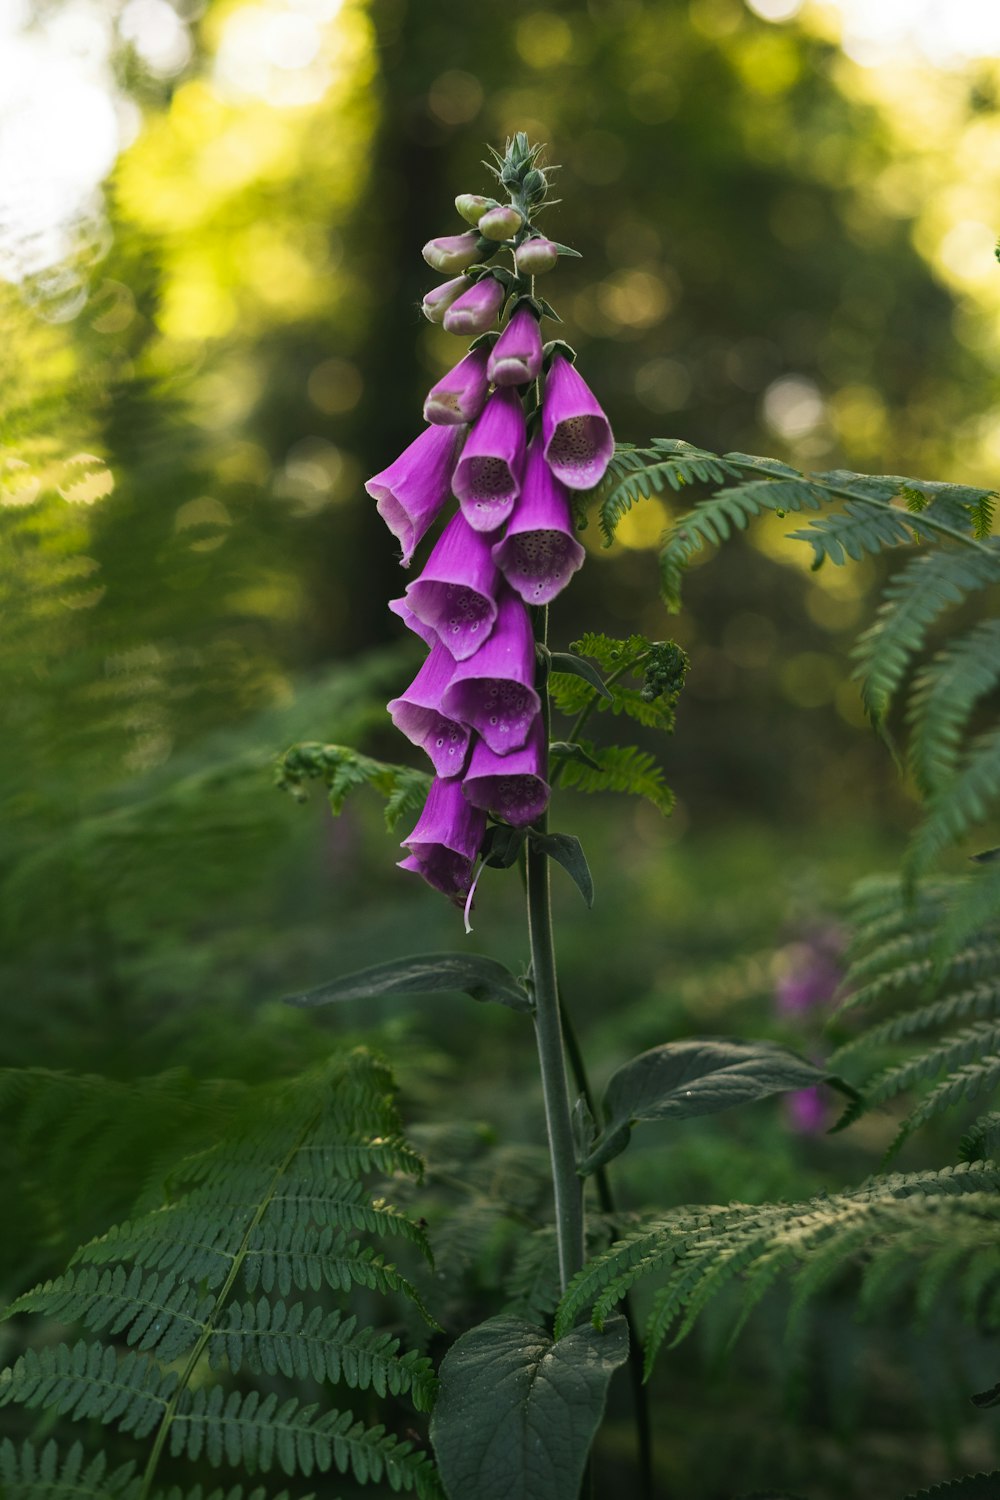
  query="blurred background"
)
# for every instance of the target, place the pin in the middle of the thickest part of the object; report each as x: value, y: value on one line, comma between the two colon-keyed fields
x: 211, y: 214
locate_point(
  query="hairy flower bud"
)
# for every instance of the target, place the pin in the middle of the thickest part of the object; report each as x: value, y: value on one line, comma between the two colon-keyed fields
x: 539, y: 553
x: 456, y: 594
x: 417, y: 714
x: 476, y: 309
x: 447, y: 837
x: 472, y: 206
x: 501, y: 222
x: 516, y: 357
x: 493, y: 691
x: 512, y: 786
x: 438, y: 300
x: 487, y: 480
x: 412, y: 491
x: 536, y: 256
x: 460, y: 395
x: 575, y: 431
x: 453, y: 252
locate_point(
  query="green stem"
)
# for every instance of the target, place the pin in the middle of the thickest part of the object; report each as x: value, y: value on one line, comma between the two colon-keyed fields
x: 567, y: 1184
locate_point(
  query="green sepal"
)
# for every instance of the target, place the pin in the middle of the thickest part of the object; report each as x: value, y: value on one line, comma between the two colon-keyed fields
x: 524, y: 299
x: 566, y: 661
x: 547, y: 310
x: 566, y: 250
x: 485, y: 340
x: 518, y: 1411
x: 567, y: 851
x: 499, y: 273
x: 424, y: 974
x: 679, y: 1080
x: 558, y: 346
x: 571, y: 750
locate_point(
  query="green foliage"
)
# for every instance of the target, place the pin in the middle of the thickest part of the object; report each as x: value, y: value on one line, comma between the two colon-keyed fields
x: 896, y: 1223
x: 471, y: 974
x: 274, y: 1206
x: 635, y: 473
x: 620, y: 768
x: 503, y: 1385
x: 344, y: 771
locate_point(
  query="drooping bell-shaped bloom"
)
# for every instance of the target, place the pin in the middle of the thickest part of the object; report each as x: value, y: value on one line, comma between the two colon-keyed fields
x: 512, y: 786
x: 516, y: 357
x: 576, y: 433
x: 444, y: 844
x: 417, y: 714
x: 402, y: 609
x: 455, y: 595
x: 411, y: 491
x: 453, y: 252
x: 539, y: 552
x: 476, y: 309
x: 438, y: 300
x: 493, y: 692
x: 460, y: 395
x: 536, y: 256
x: 487, y: 478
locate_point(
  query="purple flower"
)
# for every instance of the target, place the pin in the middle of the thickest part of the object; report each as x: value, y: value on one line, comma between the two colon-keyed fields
x: 516, y: 357
x: 460, y: 395
x: 487, y: 478
x: 438, y: 300
x: 806, y: 1111
x: 810, y: 972
x: 476, y: 309
x: 402, y: 609
x: 444, y: 844
x: 456, y: 593
x: 453, y: 252
x: 493, y: 691
x: 536, y: 256
x: 411, y: 491
x: 510, y: 786
x: 575, y: 431
x: 417, y: 714
x: 539, y: 552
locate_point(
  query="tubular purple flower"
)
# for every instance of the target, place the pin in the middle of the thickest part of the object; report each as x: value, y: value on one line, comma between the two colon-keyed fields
x: 438, y: 300
x: 411, y: 491
x: 460, y: 395
x: 510, y: 786
x: 575, y: 431
x: 456, y: 593
x: 516, y: 357
x: 476, y: 309
x: 539, y: 552
x: 536, y: 256
x: 417, y: 714
x: 493, y: 691
x: 402, y: 609
x: 487, y: 478
x: 444, y: 844
x: 453, y: 252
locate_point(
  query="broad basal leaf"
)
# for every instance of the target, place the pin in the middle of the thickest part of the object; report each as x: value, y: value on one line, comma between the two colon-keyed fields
x: 423, y: 974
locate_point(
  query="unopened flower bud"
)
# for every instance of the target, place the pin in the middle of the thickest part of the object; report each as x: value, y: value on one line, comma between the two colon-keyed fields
x: 501, y: 222
x: 476, y: 309
x: 535, y: 256
x: 472, y: 206
x: 438, y: 300
x: 453, y: 252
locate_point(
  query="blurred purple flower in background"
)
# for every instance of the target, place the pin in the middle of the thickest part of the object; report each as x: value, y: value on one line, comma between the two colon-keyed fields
x: 809, y: 972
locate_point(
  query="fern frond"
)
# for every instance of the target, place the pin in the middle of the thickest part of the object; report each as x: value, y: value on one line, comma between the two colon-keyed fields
x: 30, y: 1473
x: 954, y: 1052
x: 943, y: 697
x: 621, y: 768
x: 968, y: 799
x: 636, y: 473
x: 344, y: 770
x: 90, y: 1382
x: 979, y: 1002
x: 855, y: 532
x: 153, y: 1312
x: 966, y: 1082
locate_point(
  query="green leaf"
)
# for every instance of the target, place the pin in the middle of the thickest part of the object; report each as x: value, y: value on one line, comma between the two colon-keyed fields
x: 570, y: 750
x: 517, y: 1411
x: 567, y: 851
x: 424, y: 974
x: 985, y: 1399
x: 566, y: 661
x: 502, y: 845
x: 682, y: 1079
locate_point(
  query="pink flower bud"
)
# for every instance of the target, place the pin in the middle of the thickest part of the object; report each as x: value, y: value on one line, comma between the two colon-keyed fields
x: 475, y: 310
x: 453, y: 252
x: 501, y: 222
x: 472, y: 206
x: 438, y: 300
x: 516, y: 357
x: 535, y: 256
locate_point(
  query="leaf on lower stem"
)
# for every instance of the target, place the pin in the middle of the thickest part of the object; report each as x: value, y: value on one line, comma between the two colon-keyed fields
x: 424, y: 974
x: 567, y: 851
x: 518, y: 1411
x: 682, y: 1079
